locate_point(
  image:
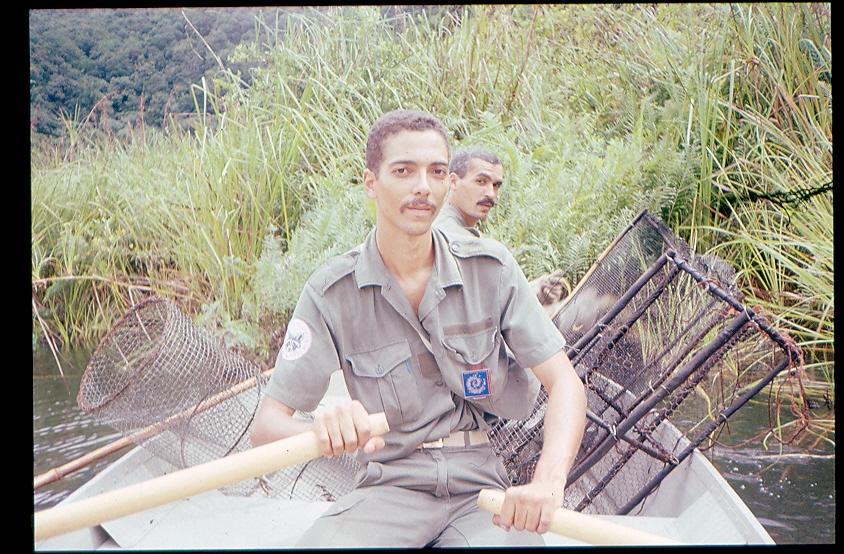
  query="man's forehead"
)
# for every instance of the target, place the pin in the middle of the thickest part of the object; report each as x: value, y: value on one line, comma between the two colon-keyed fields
x: 426, y: 146
x: 477, y: 165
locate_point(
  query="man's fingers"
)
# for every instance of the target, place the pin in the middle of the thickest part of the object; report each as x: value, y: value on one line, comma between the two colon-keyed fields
x: 322, y: 434
x: 361, y: 423
x: 532, y: 516
x: 347, y: 431
x: 373, y: 444
x: 345, y: 428
x: 335, y: 435
x: 520, y: 516
x: 545, y: 519
x: 508, y: 510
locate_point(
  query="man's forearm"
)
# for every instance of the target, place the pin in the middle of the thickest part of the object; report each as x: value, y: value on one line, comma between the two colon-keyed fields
x: 274, y: 421
x: 565, y: 420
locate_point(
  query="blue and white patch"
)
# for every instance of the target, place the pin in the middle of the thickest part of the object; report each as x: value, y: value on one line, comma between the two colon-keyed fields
x: 476, y: 383
x: 297, y: 340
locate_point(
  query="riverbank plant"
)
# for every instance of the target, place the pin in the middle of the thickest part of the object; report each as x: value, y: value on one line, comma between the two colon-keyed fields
x: 715, y: 117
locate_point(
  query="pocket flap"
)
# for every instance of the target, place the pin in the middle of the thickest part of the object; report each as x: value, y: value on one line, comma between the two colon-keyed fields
x: 379, y: 361
x: 474, y: 347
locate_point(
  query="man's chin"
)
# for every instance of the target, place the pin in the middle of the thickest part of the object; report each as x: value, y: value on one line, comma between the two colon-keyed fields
x: 417, y: 228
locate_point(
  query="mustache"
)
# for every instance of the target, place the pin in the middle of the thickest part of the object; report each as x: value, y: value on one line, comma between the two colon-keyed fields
x: 487, y: 201
x: 419, y: 204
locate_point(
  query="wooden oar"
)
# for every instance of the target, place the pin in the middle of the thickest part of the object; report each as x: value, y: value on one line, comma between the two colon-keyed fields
x: 184, y: 483
x: 581, y: 527
x: 57, y: 473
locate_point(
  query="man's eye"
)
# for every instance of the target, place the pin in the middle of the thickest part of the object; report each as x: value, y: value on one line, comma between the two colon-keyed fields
x: 401, y: 171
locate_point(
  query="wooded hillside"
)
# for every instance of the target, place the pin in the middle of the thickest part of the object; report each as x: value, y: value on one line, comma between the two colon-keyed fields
x: 138, y: 64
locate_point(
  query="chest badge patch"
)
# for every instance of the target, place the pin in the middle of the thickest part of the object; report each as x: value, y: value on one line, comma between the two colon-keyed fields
x: 476, y: 383
x: 297, y: 340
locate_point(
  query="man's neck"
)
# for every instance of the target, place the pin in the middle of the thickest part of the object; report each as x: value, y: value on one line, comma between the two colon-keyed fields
x: 467, y: 221
x: 406, y: 256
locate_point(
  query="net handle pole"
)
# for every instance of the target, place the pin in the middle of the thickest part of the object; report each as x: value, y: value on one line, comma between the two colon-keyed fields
x: 579, y: 526
x: 53, y: 475
x: 248, y: 464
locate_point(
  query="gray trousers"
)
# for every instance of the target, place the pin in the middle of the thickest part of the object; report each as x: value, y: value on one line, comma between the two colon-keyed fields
x: 426, y: 499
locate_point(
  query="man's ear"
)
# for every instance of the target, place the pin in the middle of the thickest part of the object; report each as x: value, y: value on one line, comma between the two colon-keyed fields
x: 452, y: 180
x: 369, y: 182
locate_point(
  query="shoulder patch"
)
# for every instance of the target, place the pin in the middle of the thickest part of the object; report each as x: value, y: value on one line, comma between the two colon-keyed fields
x: 334, y: 269
x: 297, y: 340
x: 470, y: 247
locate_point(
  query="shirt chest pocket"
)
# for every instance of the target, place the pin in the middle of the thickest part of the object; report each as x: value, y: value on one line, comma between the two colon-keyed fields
x: 479, y: 348
x: 476, y: 351
x: 384, y: 380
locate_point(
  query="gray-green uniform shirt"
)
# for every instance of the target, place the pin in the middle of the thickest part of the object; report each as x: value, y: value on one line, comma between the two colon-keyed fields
x: 450, y: 218
x: 433, y: 374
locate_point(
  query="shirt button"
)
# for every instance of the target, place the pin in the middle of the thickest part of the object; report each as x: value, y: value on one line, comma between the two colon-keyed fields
x: 455, y: 247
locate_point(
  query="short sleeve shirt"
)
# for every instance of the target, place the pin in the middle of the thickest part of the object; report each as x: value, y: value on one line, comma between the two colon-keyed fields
x: 443, y: 370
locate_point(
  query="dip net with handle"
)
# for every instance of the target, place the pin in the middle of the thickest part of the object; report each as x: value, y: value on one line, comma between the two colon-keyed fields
x: 659, y: 336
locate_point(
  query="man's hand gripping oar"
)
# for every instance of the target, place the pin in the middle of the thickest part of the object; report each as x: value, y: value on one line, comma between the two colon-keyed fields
x: 252, y: 463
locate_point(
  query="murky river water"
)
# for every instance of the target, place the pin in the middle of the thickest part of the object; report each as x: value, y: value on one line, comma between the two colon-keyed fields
x: 793, y: 496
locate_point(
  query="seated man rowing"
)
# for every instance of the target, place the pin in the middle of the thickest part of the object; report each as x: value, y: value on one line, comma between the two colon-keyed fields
x: 420, y: 324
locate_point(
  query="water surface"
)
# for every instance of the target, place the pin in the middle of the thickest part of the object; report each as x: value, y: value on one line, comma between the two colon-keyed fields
x: 792, y: 496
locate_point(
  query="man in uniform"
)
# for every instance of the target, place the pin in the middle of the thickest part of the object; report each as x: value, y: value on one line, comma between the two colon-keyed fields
x: 419, y: 323
x: 475, y: 179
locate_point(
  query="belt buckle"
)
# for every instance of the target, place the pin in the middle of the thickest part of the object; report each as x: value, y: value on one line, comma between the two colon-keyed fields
x: 433, y: 444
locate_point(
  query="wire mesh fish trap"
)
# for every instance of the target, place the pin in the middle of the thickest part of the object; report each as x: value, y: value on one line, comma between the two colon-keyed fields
x: 178, y: 392
x: 650, y: 328
x: 171, y: 386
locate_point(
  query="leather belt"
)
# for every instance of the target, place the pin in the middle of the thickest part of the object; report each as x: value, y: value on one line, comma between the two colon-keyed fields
x: 458, y: 438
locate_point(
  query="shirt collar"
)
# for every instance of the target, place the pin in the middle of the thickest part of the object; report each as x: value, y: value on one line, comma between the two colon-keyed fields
x: 450, y: 210
x: 370, y: 268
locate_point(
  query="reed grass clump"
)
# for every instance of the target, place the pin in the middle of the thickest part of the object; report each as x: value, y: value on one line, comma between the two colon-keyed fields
x: 716, y: 117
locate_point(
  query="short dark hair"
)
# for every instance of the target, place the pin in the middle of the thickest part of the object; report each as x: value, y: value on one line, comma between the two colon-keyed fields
x: 460, y: 162
x: 395, y: 122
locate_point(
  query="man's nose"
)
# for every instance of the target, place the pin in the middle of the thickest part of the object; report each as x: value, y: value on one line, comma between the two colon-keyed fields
x: 490, y: 192
x: 422, y: 185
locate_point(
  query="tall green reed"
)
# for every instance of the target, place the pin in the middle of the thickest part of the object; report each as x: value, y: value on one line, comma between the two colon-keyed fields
x: 597, y: 111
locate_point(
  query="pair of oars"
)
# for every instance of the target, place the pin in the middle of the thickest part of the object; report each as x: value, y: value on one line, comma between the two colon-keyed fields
x: 269, y: 458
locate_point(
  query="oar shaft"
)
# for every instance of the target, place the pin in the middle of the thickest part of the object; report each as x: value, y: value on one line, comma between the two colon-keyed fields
x: 184, y: 483
x: 55, y: 474
x: 578, y: 526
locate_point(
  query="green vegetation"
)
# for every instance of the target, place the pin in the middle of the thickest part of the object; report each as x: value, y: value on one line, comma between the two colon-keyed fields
x: 130, y: 67
x: 716, y: 117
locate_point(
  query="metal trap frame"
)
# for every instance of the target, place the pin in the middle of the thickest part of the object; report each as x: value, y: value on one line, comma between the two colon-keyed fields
x: 647, y: 328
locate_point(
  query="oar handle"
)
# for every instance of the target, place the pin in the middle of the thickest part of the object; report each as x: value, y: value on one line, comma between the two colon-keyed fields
x: 581, y: 527
x: 186, y: 482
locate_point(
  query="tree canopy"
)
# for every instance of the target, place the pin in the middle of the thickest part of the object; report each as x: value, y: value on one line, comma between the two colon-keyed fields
x: 133, y: 64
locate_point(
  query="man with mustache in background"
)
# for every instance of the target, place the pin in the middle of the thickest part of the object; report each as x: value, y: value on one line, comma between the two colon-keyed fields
x: 421, y: 325
x: 475, y: 179
x: 476, y: 176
